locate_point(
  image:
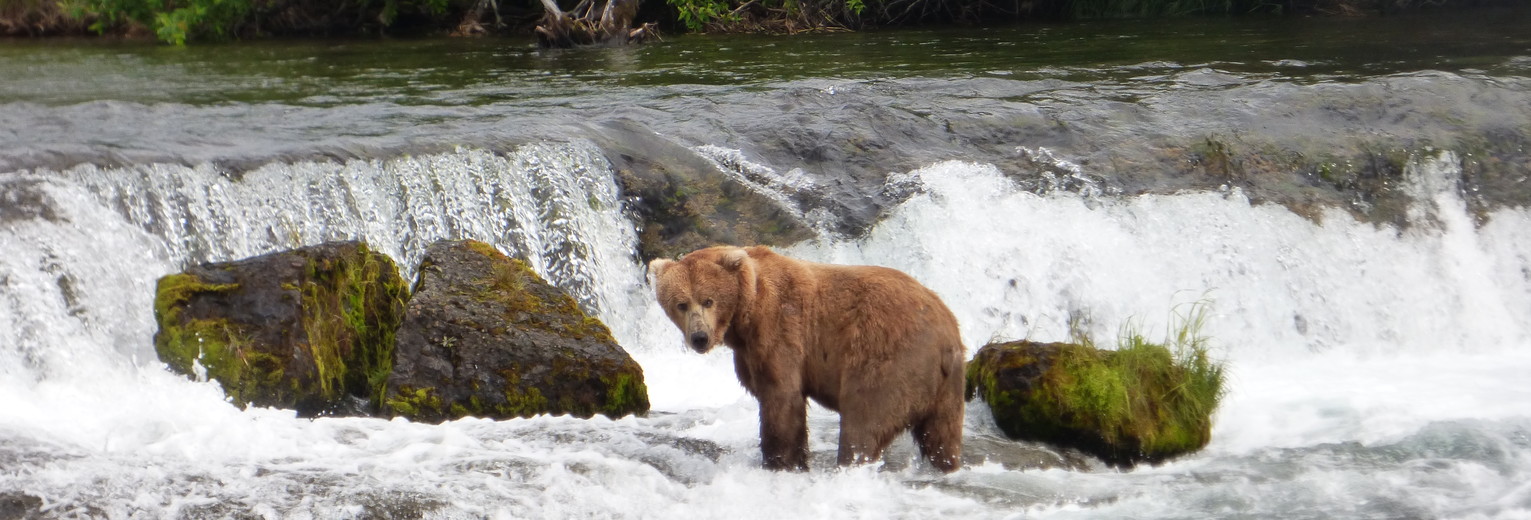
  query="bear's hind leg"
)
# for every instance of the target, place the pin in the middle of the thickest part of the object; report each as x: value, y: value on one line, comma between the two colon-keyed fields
x: 940, y: 438
x: 861, y: 443
x: 865, y: 433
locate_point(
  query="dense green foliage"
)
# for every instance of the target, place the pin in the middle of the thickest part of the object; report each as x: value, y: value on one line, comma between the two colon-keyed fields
x: 797, y: 15
x: 172, y: 21
x: 180, y: 21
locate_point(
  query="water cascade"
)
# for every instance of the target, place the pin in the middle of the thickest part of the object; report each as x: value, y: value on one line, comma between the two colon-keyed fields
x: 1422, y: 327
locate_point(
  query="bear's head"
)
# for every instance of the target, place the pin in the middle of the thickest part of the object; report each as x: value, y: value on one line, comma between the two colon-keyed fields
x: 702, y: 292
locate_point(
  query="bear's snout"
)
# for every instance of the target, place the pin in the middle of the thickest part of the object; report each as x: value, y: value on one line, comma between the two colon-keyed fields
x: 699, y: 341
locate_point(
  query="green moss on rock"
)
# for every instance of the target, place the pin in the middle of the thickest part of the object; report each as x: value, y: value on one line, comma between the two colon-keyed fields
x: 522, y: 402
x: 1138, y: 403
x: 181, y: 344
x: 301, y: 329
x: 410, y: 401
x: 221, y: 348
x: 352, y: 307
x: 529, y: 302
x: 496, y: 340
x: 625, y: 394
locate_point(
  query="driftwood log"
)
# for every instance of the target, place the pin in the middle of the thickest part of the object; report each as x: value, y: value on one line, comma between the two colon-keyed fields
x: 610, y: 24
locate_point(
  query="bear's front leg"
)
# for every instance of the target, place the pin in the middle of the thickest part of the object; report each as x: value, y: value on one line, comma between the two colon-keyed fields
x: 784, y: 430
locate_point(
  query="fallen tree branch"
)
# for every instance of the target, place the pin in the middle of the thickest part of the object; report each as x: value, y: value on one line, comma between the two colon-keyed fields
x: 611, y: 24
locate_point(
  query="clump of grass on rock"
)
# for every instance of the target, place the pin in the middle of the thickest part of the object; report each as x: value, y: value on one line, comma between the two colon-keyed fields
x: 1140, y: 402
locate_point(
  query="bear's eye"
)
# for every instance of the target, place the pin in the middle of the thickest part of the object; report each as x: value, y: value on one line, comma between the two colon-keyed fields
x: 682, y: 306
x: 707, y: 303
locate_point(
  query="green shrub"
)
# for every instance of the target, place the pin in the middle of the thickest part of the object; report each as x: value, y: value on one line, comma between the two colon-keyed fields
x: 180, y: 21
x: 785, y: 16
x: 696, y: 14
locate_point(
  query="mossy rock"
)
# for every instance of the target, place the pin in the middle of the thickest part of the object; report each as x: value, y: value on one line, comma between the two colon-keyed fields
x: 1139, y: 403
x: 486, y: 336
x: 309, y: 329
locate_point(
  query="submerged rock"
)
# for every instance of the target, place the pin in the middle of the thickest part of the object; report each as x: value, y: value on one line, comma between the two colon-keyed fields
x: 1140, y: 403
x: 485, y: 336
x: 684, y: 202
x: 306, y: 329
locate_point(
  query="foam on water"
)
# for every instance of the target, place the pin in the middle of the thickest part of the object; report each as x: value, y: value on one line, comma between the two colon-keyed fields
x: 1374, y: 372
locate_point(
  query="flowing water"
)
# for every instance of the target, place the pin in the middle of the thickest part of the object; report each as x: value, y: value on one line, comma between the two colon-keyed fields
x: 1377, y: 368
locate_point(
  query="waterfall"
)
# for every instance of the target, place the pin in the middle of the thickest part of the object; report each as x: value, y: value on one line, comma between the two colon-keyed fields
x: 86, y: 244
x: 1355, y: 349
x: 1017, y: 264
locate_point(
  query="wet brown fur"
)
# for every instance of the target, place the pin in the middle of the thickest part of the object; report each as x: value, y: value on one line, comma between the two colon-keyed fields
x: 869, y: 342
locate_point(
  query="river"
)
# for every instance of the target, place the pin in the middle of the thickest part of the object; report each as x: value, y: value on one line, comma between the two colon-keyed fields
x: 1375, y: 318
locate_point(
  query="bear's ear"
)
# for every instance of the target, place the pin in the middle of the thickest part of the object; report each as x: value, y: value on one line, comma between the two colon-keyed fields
x: 658, y: 266
x: 734, y: 258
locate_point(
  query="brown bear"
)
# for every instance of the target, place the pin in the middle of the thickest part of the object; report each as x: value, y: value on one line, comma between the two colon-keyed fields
x: 869, y: 342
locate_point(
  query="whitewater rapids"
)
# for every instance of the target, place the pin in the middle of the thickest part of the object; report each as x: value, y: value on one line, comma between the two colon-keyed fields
x: 1375, y: 372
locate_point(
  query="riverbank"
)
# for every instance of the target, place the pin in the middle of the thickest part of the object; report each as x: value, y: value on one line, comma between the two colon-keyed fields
x: 181, y: 21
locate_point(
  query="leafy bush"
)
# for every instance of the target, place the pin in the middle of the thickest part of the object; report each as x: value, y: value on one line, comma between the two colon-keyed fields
x: 797, y: 15
x: 786, y: 16
x: 696, y: 14
x: 179, y: 21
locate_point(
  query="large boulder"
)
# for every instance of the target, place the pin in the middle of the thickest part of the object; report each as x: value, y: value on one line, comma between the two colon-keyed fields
x: 309, y: 329
x: 1139, y: 403
x: 485, y: 336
